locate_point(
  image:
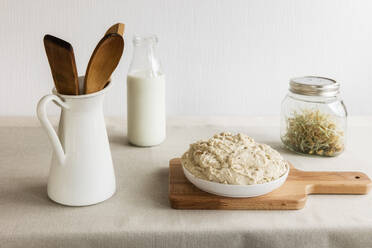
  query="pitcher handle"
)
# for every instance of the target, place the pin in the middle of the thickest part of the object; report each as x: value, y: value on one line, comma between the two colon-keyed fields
x: 42, y: 115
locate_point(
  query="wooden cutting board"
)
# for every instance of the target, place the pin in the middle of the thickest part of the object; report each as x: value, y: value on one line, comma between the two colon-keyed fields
x: 292, y: 195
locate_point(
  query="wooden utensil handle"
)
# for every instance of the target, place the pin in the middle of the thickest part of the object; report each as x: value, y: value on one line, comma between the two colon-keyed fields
x: 336, y: 182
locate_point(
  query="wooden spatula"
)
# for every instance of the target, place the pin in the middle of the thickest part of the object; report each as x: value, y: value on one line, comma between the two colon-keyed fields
x: 102, y: 63
x: 62, y: 64
x: 117, y: 28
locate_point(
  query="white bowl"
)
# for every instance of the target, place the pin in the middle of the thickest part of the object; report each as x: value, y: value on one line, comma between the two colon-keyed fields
x: 237, y: 191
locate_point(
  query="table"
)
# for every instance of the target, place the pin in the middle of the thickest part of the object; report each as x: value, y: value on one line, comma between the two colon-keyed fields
x: 139, y: 215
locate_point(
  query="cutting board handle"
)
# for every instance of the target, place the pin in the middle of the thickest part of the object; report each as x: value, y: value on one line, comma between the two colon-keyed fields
x: 323, y: 182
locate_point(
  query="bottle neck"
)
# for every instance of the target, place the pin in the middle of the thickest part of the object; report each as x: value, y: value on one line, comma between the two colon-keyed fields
x: 144, y: 59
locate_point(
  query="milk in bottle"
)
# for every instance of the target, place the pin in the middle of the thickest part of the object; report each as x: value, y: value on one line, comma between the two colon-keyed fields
x: 145, y: 95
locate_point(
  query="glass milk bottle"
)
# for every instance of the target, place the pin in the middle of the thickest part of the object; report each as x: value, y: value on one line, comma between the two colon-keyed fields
x: 145, y: 94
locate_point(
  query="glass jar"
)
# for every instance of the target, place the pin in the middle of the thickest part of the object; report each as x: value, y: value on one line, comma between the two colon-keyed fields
x: 145, y: 94
x: 313, y: 117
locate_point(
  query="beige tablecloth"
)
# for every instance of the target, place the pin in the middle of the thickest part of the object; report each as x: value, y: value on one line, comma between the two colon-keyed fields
x: 138, y: 215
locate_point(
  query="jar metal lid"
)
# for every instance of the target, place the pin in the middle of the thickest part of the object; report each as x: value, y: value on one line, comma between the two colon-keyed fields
x: 314, y: 86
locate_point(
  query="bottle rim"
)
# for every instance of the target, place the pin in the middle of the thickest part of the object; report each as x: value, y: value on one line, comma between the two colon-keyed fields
x: 140, y: 39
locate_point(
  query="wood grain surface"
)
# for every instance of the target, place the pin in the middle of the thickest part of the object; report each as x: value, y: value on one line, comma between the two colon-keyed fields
x: 62, y: 64
x: 292, y: 195
x: 117, y: 28
x: 104, y: 60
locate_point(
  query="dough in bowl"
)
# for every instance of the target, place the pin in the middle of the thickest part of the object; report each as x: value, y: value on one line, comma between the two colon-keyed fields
x: 234, y: 159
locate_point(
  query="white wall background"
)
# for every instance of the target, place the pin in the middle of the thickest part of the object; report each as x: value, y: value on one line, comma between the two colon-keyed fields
x: 220, y: 57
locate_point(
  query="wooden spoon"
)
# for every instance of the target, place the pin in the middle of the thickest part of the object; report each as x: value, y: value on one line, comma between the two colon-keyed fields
x: 118, y: 28
x: 62, y: 64
x: 102, y: 63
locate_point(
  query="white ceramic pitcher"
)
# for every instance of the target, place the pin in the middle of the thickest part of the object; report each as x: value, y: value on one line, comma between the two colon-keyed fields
x: 81, y: 171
